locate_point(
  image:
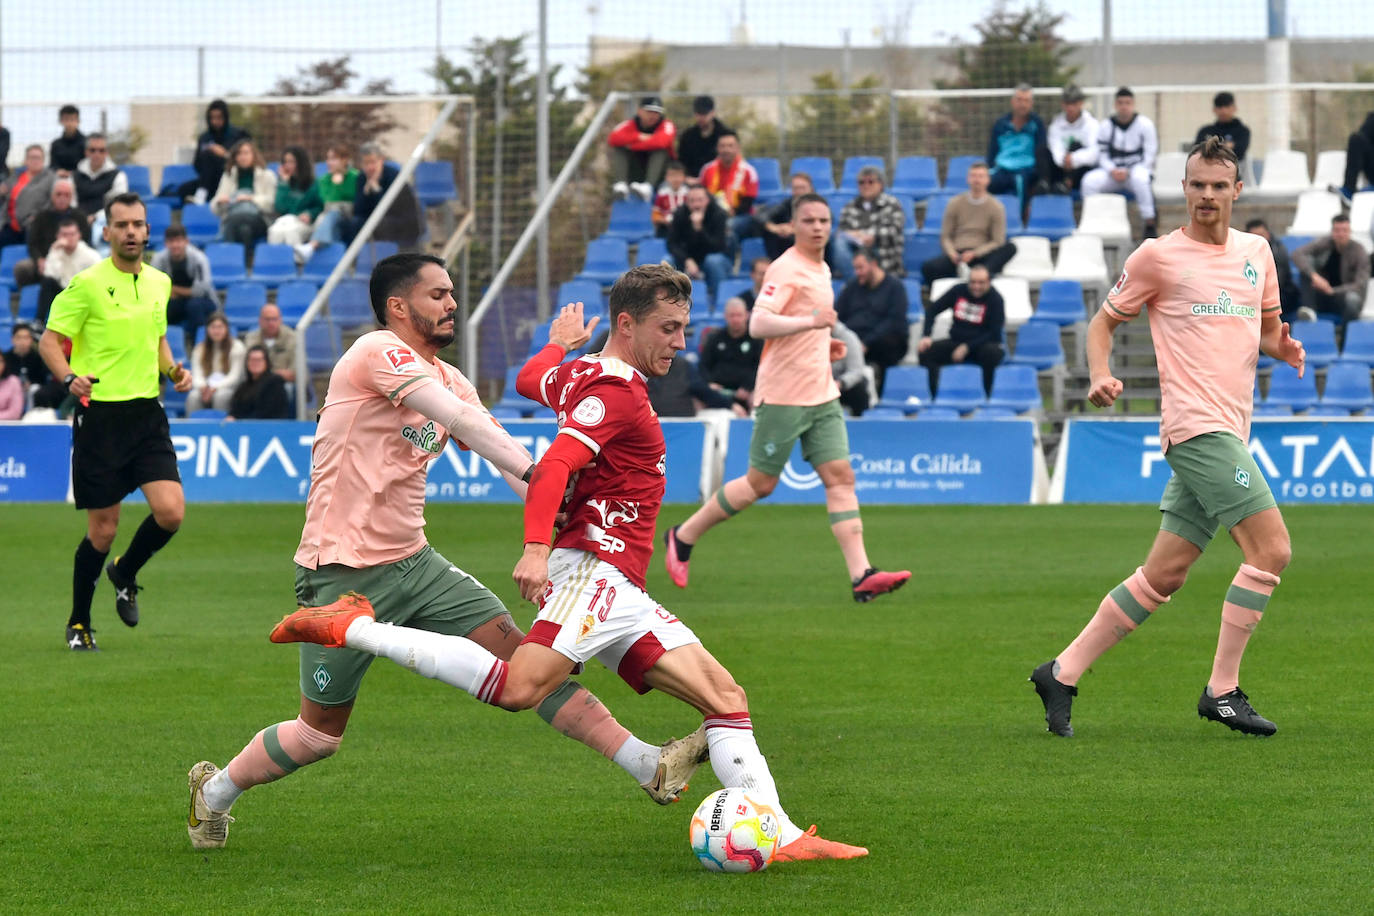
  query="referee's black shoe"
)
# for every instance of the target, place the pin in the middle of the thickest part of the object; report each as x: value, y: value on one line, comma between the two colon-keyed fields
x: 126, y: 594
x: 81, y: 638
x: 1235, y: 712
x: 1057, y: 697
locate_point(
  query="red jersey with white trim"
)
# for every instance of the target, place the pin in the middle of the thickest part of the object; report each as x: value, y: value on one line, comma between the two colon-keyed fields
x: 612, y: 502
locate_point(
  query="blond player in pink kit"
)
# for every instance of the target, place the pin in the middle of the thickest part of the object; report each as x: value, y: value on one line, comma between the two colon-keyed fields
x: 1213, y: 302
x: 391, y: 407
x: 795, y: 399
x: 605, y: 470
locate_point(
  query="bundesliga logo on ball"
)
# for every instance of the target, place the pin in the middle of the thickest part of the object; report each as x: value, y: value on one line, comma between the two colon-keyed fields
x: 732, y: 832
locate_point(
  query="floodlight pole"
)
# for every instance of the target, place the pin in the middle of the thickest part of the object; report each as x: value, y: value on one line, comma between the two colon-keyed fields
x: 541, y: 163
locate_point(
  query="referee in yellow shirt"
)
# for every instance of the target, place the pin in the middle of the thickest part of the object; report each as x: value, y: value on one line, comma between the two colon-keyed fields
x: 115, y: 315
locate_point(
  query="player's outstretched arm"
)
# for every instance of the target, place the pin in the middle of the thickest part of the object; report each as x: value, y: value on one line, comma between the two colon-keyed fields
x: 472, y: 426
x: 547, y: 486
x: 764, y: 324
x: 1103, y: 387
x: 1275, y: 341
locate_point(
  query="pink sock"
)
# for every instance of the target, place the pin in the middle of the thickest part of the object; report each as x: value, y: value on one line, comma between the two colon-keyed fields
x: 1240, y: 614
x: 1126, y: 607
x: 278, y: 750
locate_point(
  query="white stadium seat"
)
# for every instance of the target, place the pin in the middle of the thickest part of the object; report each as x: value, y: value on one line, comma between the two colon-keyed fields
x: 1284, y: 175
x: 1168, y: 181
x: 1330, y: 169
x: 1104, y: 215
x: 1081, y: 258
x: 1015, y: 293
x: 1313, y: 216
x: 1032, y: 261
x: 1362, y: 217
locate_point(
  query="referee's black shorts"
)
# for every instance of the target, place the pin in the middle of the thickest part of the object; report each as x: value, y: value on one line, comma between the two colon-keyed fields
x: 117, y: 447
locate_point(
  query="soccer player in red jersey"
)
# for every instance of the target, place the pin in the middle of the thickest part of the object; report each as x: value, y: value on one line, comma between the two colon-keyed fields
x: 589, y: 579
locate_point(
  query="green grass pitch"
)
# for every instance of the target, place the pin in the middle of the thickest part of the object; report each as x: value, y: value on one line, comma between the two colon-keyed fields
x: 906, y: 725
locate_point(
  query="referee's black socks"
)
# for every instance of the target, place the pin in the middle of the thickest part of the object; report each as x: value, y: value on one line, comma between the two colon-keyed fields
x: 148, y: 540
x: 85, y: 576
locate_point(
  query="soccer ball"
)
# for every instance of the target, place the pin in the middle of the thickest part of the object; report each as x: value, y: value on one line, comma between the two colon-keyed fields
x: 732, y: 832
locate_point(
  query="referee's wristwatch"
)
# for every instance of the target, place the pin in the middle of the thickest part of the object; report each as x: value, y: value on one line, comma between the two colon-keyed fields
x: 67, y: 382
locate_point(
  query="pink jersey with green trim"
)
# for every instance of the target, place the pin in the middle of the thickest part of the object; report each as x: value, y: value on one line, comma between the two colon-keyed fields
x: 795, y: 368
x: 1205, y: 305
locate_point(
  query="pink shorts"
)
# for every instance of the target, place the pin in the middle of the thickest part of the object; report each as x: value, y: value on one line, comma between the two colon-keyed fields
x: 590, y: 610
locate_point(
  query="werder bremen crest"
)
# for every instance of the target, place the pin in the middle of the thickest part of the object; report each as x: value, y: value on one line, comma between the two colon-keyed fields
x: 1251, y: 274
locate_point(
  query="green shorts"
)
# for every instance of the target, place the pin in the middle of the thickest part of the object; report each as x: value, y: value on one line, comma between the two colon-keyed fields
x: 1216, y: 481
x: 777, y: 427
x: 424, y: 591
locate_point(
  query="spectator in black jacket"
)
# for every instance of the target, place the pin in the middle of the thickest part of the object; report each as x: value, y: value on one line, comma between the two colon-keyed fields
x: 975, y: 336
x: 696, y: 145
x: 97, y: 177
x: 730, y: 357
x: 403, y: 222
x: 70, y: 147
x: 1359, y: 157
x: 43, y: 230
x: 873, y: 305
x: 697, y: 239
x: 4, y: 158
x: 262, y: 393
x: 212, y: 152
x: 1290, y: 297
x: 1227, y: 126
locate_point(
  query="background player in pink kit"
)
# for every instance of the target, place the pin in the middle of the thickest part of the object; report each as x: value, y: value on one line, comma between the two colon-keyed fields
x: 795, y: 398
x: 390, y: 409
x: 590, y: 583
x: 1213, y: 302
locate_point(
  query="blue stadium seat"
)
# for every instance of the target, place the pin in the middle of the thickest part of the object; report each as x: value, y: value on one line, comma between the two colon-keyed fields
x: 1359, y: 342
x: 226, y: 263
x: 884, y: 413
x: 174, y: 176
x: 5, y: 336
x: 1273, y: 410
x: 631, y: 219
x: 207, y: 413
x: 587, y: 292
x: 935, y: 213
x: 28, y: 303
x: 956, y: 172
x: 201, y: 224
x: 323, y: 345
x: 1015, y: 387
x: 906, y: 388
x: 849, y: 174
x: 11, y: 255
x: 701, y: 298
x: 273, y: 265
x: 731, y: 286
x: 322, y: 263
x: 1038, y: 345
x: 159, y: 218
x: 939, y: 413
x: 512, y: 399
x: 1347, y: 386
x: 349, y: 304
x: 1051, y: 215
x: 915, y: 177
x: 837, y: 286
x: 434, y: 183
x: 539, y: 338
x: 242, y: 302
x: 961, y: 387
x: 173, y: 402
x: 373, y: 251
x: 607, y: 259
x: 1011, y: 205
x: 837, y: 199
x: 139, y: 180
x: 293, y: 298
x: 1318, y: 340
x: 176, y: 342
x: 820, y: 169
x: 1326, y: 410
x: 915, y: 309
x: 652, y: 251
x: 1287, y: 390
x: 997, y: 412
x: 1061, y: 301
x: 919, y: 249
x: 750, y: 250
x: 770, y: 178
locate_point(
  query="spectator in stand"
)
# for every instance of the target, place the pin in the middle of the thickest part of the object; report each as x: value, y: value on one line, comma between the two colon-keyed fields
x: 697, y: 239
x: 216, y: 367
x: 1127, y: 143
x: 683, y: 392
x: 976, y: 334
x: 212, y: 152
x: 13, y: 396
x: 4, y: 159
x: 640, y: 150
x: 1227, y: 126
x: 734, y: 183
x: 69, y: 148
x: 849, y: 372
x: 758, y: 269
x: 873, y: 220
x: 774, y: 225
x: 1359, y: 159
x: 66, y: 257
x: 730, y: 357
x: 192, y: 300
x: 23, y: 357
x: 697, y: 144
x: 23, y: 186
x: 337, y: 189
x: 97, y: 178
x: 974, y: 231
x: 1016, y: 149
x: 298, y: 201
x: 671, y: 195
x: 873, y: 305
x: 1335, y: 273
x: 1072, y: 143
x: 42, y: 231
x: 262, y: 393
x: 277, y: 339
x: 403, y: 222
x: 247, y: 191
x: 1290, y: 297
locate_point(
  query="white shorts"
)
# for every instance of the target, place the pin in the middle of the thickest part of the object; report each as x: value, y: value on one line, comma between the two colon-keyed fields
x: 590, y: 610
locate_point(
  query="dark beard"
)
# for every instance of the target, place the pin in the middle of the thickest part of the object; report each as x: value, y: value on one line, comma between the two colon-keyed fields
x: 430, y: 333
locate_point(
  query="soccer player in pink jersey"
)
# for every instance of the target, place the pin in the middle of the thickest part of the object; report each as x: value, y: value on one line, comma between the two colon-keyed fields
x: 795, y: 398
x: 1213, y: 302
x: 391, y: 407
x: 589, y: 580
